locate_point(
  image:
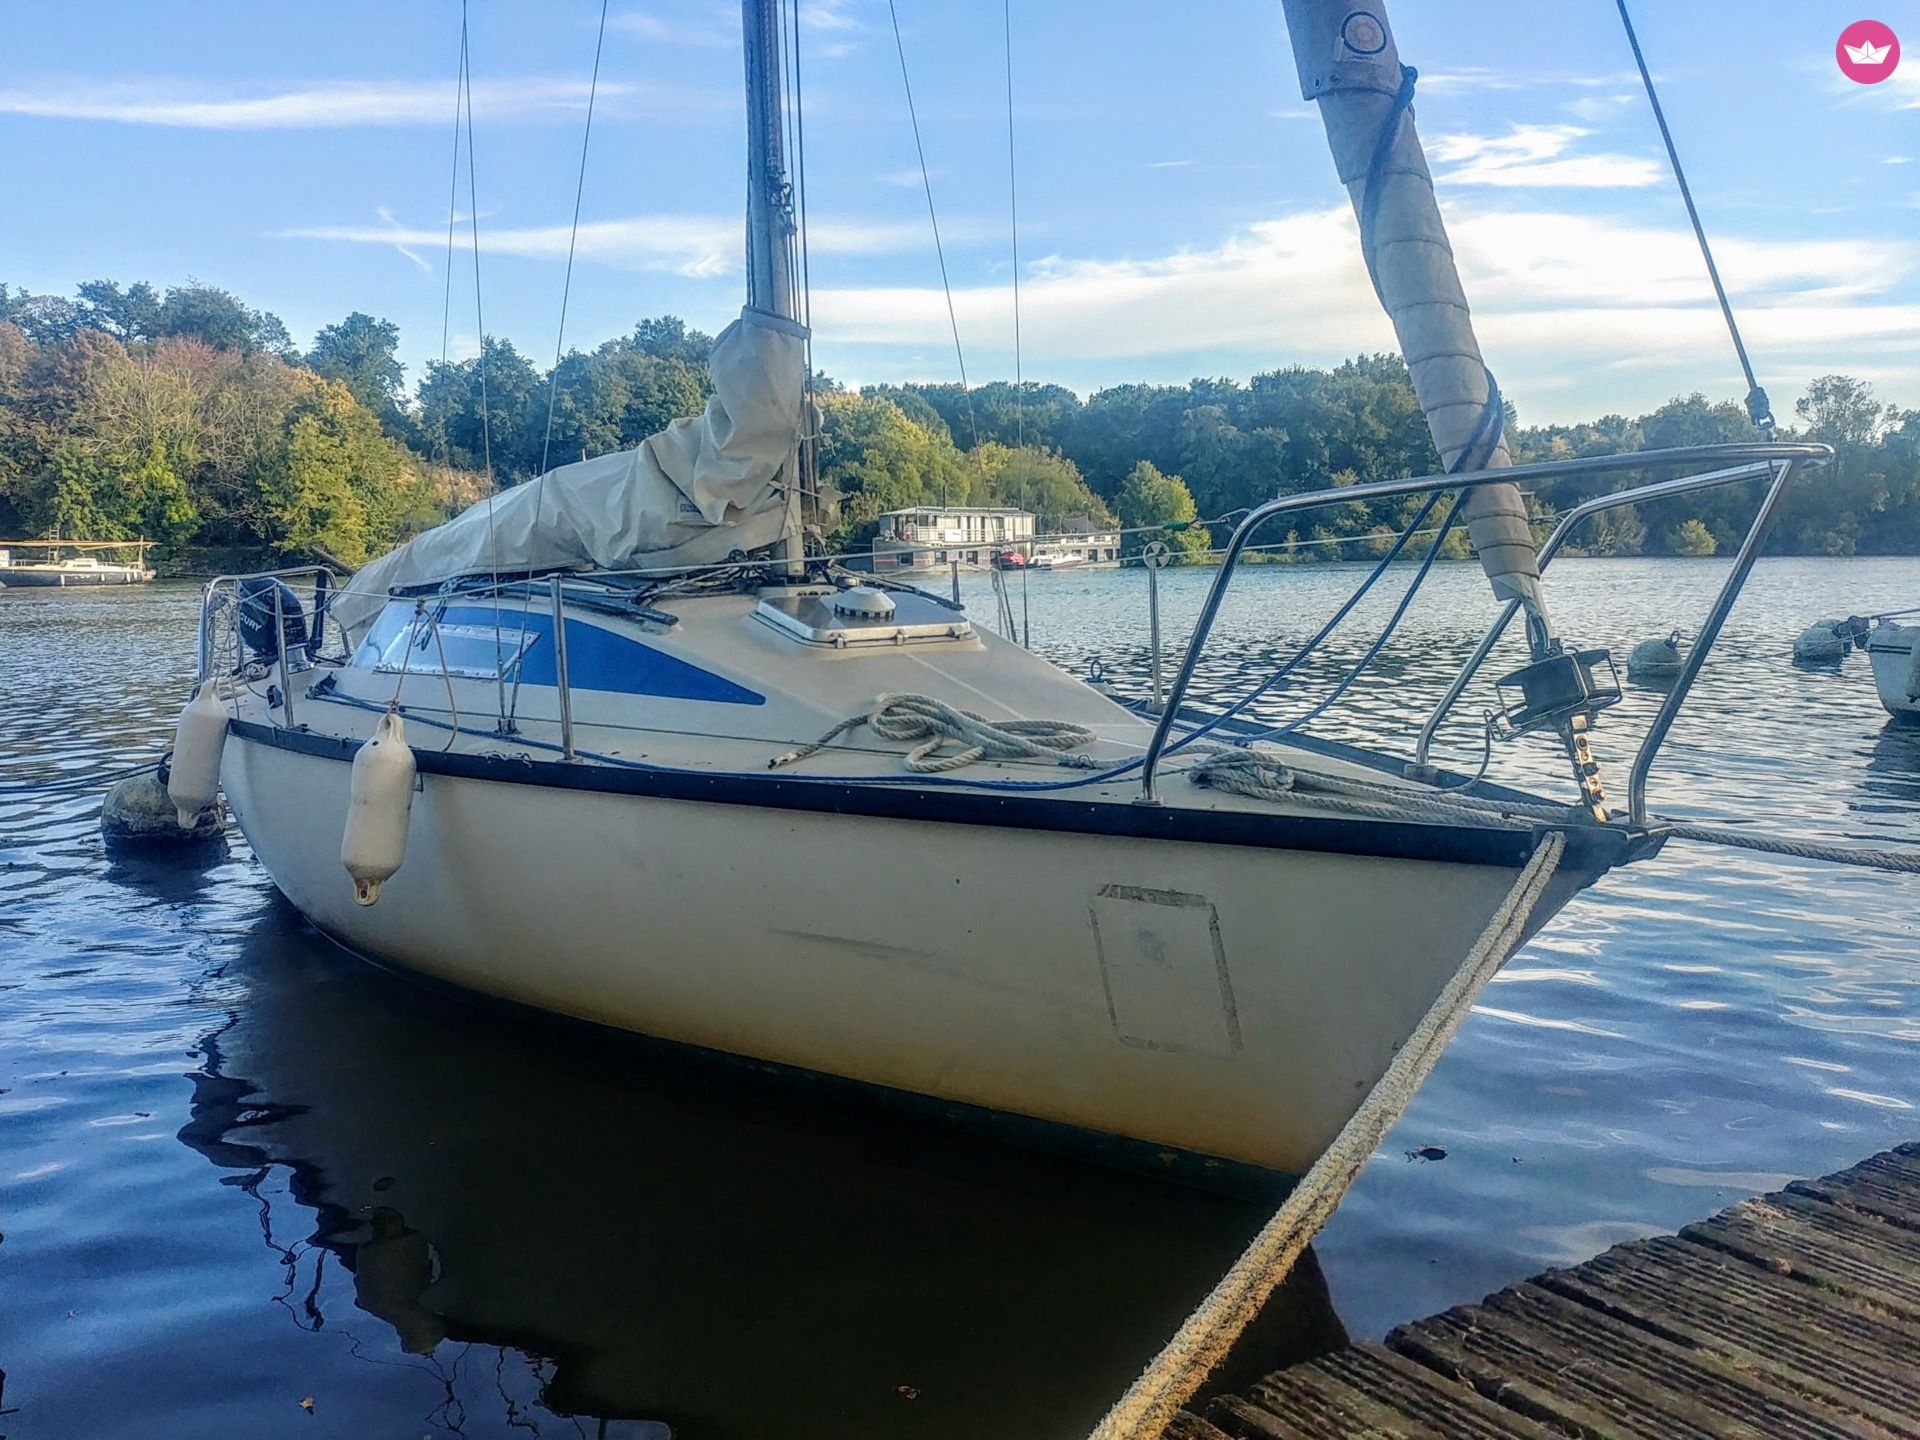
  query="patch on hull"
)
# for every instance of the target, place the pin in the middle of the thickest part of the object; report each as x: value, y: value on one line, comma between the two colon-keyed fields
x: 1165, y: 971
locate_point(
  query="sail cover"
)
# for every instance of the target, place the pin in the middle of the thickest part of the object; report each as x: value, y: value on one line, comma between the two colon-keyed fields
x: 691, y: 495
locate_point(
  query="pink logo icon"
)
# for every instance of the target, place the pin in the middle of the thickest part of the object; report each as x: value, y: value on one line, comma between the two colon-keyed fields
x: 1868, y: 52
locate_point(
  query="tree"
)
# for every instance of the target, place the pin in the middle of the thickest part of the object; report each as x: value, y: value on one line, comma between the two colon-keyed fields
x: 220, y: 319
x: 1151, y: 498
x: 44, y: 319
x: 1842, y: 411
x: 128, y: 316
x: 667, y: 338
x: 1690, y: 537
x: 879, y: 460
x: 487, y: 413
x: 361, y: 352
x: 1042, y: 481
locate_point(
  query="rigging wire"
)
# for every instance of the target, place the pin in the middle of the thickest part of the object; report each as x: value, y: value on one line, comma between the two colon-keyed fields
x: 926, y: 181
x: 1759, y: 408
x: 1346, y: 609
x: 486, y: 424
x: 453, y: 203
x: 1386, y: 631
x: 573, y: 237
x: 810, y: 432
x: 1019, y: 375
x: 560, y: 339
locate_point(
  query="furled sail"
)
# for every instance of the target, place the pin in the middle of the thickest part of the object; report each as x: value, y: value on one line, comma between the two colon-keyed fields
x: 1348, y: 63
x: 693, y: 494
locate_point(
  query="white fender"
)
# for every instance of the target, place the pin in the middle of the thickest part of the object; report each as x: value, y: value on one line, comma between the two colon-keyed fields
x: 193, y: 781
x: 381, y: 801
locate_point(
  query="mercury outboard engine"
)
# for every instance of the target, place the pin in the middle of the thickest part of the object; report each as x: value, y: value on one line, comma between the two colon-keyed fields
x: 255, y: 596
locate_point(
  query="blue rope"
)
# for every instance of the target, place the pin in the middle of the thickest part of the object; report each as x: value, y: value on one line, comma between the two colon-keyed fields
x: 1393, y: 622
x: 1377, y: 168
x: 1399, y: 544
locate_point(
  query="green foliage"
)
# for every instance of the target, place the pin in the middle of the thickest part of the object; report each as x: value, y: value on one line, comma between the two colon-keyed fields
x: 1151, y: 498
x: 185, y: 415
x: 1691, y: 537
x: 610, y: 399
x: 361, y: 352
x: 171, y: 438
x: 1042, y: 481
x: 879, y: 460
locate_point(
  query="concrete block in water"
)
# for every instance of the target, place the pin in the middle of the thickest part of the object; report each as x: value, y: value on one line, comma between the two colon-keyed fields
x: 138, y: 810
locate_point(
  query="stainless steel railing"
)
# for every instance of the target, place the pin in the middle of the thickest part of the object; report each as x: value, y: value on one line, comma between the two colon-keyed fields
x: 1735, y: 462
x: 217, y: 593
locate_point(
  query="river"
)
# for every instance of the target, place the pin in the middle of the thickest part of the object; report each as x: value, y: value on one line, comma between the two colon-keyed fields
x: 571, y: 1238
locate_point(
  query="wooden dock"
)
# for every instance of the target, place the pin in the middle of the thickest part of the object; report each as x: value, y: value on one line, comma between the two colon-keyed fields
x: 1796, y: 1314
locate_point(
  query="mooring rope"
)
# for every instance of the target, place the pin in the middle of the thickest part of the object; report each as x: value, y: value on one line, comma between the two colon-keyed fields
x: 934, y: 722
x: 1204, y: 1341
x: 1901, y: 862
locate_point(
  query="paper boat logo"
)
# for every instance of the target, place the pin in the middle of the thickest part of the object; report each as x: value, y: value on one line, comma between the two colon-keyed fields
x: 1867, y: 52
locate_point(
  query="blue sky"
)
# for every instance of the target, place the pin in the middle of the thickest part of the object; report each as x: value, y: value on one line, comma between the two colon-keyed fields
x: 1179, y: 214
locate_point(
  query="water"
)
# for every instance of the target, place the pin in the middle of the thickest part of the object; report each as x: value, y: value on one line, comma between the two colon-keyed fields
x: 240, y: 1171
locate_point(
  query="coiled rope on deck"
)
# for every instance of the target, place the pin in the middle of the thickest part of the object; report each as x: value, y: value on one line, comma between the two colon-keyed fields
x: 1204, y: 1341
x: 934, y: 723
x: 1260, y: 777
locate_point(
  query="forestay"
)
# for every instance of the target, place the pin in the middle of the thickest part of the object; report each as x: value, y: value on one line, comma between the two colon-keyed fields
x: 693, y: 494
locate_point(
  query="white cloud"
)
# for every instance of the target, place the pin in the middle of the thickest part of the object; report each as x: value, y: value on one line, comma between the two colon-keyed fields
x: 716, y: 27
x: 1169, y: 164
x: 1578, y: 313
x: 1485, y: 77
x: 1535, y: 156
x: 321, y: 105
x: 697, y: 246
x: 1898, y: 160
x: 386, y: 214
x: 1600, y: 108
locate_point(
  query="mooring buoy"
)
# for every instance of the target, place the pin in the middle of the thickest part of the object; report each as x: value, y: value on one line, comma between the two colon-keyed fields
x: 140, y: 810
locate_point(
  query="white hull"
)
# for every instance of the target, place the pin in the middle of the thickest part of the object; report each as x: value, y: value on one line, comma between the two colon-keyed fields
x: 1896, y: 668
x: 1224, y: 1000
x: 1214, y: 975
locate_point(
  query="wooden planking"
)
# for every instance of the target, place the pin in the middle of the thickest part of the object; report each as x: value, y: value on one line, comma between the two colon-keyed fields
x: 1795, y: 1315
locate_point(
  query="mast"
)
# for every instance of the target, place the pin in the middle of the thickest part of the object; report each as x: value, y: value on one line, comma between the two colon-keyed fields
x: 770, y: 219
x: 1347, y: 60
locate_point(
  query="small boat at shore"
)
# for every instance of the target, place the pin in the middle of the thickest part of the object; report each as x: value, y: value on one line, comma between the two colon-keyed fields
x: 72, y: 570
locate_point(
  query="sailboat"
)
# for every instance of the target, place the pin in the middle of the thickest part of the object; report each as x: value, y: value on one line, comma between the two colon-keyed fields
x: 613, y: 745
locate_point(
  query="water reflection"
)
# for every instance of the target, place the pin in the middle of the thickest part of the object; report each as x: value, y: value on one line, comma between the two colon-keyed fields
x: 1891, y: 781
x: 431, y: 1221
x: 686, y: 1246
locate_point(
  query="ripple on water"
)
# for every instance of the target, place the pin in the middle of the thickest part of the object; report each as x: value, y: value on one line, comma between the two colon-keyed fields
x: 241, y: 1170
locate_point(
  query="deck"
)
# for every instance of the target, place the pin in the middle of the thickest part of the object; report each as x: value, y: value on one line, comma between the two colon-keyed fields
x: 1796, y: 1314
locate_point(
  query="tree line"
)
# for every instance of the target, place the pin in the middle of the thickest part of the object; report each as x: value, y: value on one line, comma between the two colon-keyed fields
x: 187, y: 417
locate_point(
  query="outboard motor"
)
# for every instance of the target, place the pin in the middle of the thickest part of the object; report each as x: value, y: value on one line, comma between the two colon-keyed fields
x: 254, y: 608
x: 322, y: 593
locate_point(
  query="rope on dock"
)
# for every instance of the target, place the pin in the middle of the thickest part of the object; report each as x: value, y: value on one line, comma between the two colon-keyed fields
x: 934, y: 723
x: 1204, y: 1341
